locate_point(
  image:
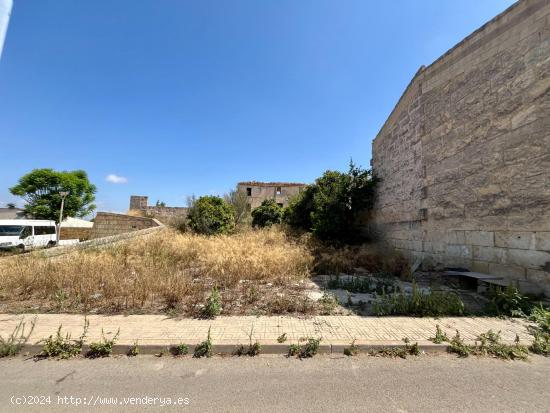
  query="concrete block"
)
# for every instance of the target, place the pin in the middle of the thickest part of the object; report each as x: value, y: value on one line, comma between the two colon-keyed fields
x: 483, y: 238
x: 489, y: 254
x: 458, y: 262
x: 528, y: 258
x: 508, y: 271
x: 456, y: 237
x: 460, y: 251
x: 515, y: 239
x: 480, y: 266
x: 542, y: 241
x: 538, y: 276
x: 434, y: 247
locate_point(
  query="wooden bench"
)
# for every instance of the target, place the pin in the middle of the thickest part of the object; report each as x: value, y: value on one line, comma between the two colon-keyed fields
x: 482, y: 281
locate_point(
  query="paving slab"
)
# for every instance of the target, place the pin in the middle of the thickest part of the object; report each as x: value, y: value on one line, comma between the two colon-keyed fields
x: 158, y: 331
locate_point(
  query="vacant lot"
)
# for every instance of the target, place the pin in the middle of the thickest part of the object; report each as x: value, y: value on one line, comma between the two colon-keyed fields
x: 257, y: 272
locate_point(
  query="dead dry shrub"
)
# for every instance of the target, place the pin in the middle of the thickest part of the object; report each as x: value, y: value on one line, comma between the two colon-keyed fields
x: 163, y: 270
x: 374, y: 258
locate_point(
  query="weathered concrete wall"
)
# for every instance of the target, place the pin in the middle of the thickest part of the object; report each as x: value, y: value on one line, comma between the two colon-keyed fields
x: 260, y: 191
x: 464, y: 157
x: 107, y: 224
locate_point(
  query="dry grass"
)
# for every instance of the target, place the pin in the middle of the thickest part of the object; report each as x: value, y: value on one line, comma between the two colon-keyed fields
x: 257, y: 272
x: 371, y: 258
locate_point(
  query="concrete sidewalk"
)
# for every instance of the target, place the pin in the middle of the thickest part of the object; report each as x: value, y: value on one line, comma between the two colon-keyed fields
x: 157, y: 332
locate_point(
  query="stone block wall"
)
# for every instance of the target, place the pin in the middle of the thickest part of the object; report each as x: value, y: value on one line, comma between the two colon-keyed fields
x: 107, y: 224
x: 464, y: 157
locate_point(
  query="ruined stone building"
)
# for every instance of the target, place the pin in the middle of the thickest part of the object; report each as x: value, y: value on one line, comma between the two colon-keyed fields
x: 139, y: 205
x: 464, y: 157
x: 257, y: 192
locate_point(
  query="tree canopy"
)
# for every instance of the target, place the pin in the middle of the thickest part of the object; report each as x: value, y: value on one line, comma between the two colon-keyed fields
x: 331, y: 206
x: 211, y: 215
x: 40, y: 189
x: 267, y: 214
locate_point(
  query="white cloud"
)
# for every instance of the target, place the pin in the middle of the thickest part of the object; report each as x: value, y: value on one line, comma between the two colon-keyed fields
x: 115, y: 179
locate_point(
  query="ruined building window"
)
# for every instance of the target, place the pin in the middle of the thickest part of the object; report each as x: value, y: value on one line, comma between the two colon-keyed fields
x: 278, y: 191
x: 248, y: 191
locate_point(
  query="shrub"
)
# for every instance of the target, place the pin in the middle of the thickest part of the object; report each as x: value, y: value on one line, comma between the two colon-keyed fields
x: 293, y: 350
x: 541, y: 316
x: 331, y: 206
x: 133, y: 351
x: 267, y: 214
x: 352, y: 350
x: 362, y: 284
x: 402, y: 352
x: 306, y: 350
x: 541, y: 344
x: 204, y: 349
x: 102, y: 348
x: 440, y: 336
x: 250, y: 350
x: 508, y: 302
x: 211, y: 215
x: 213, y: 305
x: 458, y: 346
x: 490, y: 344
x: 298, y: 212
x: 180, y: 350
x: 63, y: 347
x: 328, y: 302
x: 380, y: 260
x: 433, y: 303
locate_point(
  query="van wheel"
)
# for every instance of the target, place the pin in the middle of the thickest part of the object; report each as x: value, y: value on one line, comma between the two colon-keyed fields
x: 20, y: 248
x: 50, y: 244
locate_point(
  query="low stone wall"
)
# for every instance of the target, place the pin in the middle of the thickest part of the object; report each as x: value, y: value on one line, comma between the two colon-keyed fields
x: 97, y: 243
x: 107, y: 224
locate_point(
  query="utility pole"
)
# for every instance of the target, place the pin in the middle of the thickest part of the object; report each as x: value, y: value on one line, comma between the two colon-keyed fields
x: 63, y: 196
x: 5, y: 12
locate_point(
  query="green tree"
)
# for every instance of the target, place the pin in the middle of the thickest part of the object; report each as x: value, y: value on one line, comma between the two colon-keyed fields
x: 211, y: 215
x: 298, y: 212
x: 331, y: 206
x: 40, y: 189
x: 267, y: 214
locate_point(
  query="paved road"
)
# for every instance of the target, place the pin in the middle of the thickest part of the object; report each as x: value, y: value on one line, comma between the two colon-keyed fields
x: 274, y: 383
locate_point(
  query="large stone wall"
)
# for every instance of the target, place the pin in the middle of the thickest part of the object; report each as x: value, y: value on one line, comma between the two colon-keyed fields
x: 464, y: 157
x: 107, y: 224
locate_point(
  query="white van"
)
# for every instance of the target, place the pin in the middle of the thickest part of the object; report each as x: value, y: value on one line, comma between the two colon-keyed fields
x: 27, y: 233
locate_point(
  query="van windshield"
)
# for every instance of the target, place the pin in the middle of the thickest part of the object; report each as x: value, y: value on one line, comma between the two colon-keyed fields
x: 10, y: 230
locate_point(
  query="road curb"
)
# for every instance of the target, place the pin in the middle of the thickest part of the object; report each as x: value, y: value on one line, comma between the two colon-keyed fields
x: 266, y: 348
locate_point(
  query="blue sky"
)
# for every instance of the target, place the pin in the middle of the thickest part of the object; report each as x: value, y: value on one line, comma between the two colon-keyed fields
x: 179, y: 97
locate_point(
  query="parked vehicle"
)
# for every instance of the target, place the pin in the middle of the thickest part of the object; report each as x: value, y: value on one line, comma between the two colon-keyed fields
x: 26, y: 233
